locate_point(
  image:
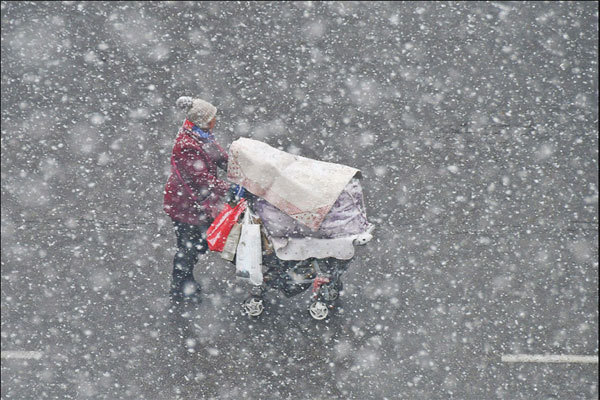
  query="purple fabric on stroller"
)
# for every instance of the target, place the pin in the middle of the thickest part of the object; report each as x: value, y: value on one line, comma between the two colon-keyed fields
x: 347, y: 217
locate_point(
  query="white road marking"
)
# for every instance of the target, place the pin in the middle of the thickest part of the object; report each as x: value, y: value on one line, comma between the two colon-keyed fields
x: 23, y: 355
x: 549, y: 358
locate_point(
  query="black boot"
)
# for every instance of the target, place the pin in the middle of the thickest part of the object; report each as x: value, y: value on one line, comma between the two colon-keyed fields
x: 184, y: 288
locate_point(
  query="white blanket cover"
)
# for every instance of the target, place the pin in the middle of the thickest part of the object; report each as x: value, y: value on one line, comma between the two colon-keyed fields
x: 303, y: 188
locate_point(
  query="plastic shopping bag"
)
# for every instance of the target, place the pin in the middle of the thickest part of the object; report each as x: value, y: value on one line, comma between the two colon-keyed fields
x: 231, y: 243
x: 217, y: 233
x: 248, y: 263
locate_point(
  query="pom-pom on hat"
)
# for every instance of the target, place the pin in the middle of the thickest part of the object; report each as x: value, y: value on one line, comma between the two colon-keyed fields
x: 197, y: 111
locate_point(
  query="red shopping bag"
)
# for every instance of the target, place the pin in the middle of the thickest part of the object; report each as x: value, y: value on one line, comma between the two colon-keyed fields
x: 217, y: 233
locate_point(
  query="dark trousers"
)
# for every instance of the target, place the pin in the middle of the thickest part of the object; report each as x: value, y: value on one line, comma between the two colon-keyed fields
x: 191, y: 242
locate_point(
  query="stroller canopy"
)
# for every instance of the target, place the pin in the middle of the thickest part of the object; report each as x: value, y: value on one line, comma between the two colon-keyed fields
x: 303, y: 188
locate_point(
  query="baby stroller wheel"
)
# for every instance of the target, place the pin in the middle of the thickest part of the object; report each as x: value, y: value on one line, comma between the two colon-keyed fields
x: 331, y: 292
x: 253, y: 306
x: 318, y: 310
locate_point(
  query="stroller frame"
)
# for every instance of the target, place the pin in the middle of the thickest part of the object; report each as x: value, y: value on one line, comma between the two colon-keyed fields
x: 291, y: 278
x: 294, y: 277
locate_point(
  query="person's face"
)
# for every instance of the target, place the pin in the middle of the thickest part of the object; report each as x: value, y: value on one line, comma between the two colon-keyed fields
x: 212, y: 123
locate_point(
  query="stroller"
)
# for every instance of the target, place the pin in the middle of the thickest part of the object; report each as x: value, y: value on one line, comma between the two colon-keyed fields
x: 311, y: 215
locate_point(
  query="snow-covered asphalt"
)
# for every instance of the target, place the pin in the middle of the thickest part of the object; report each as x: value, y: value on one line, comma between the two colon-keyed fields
x: 475, y: 126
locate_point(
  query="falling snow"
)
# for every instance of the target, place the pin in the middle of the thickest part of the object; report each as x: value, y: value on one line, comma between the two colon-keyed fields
x: 475, y: 126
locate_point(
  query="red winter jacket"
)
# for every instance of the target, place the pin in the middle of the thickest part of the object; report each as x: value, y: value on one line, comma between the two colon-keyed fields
x: 195, y: 161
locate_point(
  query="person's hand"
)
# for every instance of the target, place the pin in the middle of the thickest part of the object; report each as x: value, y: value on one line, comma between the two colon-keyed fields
x: 239, y: 191
x: 234, y: 194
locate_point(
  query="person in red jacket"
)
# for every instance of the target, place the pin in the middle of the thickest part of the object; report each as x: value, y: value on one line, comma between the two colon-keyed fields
x: 194, y: 195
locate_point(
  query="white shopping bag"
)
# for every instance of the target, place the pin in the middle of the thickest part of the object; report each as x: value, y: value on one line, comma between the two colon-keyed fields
x: 248, y: 263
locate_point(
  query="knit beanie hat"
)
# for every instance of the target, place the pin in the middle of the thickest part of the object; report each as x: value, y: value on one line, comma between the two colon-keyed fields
x: 197, y: 111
